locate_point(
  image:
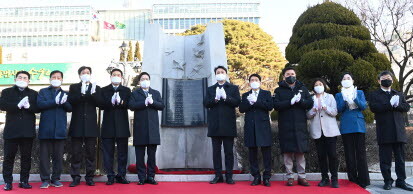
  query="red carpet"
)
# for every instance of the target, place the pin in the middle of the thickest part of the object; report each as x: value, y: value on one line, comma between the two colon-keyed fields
x: 192, y: 188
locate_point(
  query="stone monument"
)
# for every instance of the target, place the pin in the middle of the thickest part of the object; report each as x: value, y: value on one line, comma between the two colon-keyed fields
x: 181, y: 68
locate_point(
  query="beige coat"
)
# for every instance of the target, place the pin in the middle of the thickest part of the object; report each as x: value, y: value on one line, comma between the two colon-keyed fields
x: 325, y: 120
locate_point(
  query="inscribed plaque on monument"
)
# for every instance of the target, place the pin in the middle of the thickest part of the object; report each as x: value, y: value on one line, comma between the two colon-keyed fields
x: 183, y: 101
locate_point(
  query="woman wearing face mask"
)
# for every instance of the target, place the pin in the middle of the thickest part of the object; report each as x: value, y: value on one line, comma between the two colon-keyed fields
x: 256, y: 105
x: 350, y: 103
x: 324, y: 130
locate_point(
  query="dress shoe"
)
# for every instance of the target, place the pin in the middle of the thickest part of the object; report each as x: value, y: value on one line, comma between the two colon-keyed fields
x: 75, y: 182
x: 141, y: 182
x: 267, y: 182
x: 229, y: 180
x: 404, y: 186
x: 8, y: 187
x: 122, y: 180
x: 151, y: 181
x: 334, y: 183
x: 290, y: 182
x: 387, y: 186
x: 303, y: 182
x: 256, y: 181
x: 25, y: 185
x: 324, y: 182
x: 110, y: 181
x: 217, y: 179
x: 90, y: 182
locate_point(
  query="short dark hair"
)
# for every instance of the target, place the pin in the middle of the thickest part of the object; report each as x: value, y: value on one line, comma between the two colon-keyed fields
x: 83, y: 68
x: 385, y: 73
x: 23, y: 72
x: 326, y: 88
x: 254, y: 75
x: 287, y: 69
x: 56, y: 71
x: 347, y: 73
x: 220, y: 67
x: 142, y: 74
x: 116, y: 69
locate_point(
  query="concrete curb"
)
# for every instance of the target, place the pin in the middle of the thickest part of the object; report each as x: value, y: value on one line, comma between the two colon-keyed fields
x: 194, y: 178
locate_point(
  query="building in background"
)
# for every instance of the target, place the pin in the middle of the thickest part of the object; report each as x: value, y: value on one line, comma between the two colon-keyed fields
x: 47, y: 26
x: 123, y: 24
x: 178, y: 16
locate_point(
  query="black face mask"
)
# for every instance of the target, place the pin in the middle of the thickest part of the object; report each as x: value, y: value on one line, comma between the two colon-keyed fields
x: 386, y: 83
x: 290, y: 80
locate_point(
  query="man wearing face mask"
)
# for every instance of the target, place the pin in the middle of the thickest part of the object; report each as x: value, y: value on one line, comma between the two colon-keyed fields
x: 20, y: 105
x: 221, y: 100
x: 115, y: 127
x: 256, y: 105
x: 146, y: 102
x: 53, y: 104
x: 84, y: 98
x: 389, y: 105
x: 291, y: 100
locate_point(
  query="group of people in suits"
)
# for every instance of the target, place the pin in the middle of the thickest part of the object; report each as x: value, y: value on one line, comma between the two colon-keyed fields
x: 296, y: 107
x: 295, y: 104
x: 22, y: 103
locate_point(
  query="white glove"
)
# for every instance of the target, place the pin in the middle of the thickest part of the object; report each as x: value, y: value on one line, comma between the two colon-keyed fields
x: 294, y: 99
x: 57, y: 99
x: 251, y: 99
x: 315, y: 106
x: 394, y: 101
x: 217, y: 94
x: 146, y: 101
x: 26, y: 103
x: 64, y: 99
x: 114, y: 99
x: 150, y: 100
x: 223, y: 94
x: 298, y: 97
x: 323, y: 105
x: 93, y: 89
x: 83, y: 88
x: 22, y: 102
x: 118, y: 98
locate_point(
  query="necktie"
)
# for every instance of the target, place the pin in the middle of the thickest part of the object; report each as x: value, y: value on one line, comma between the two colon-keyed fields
x: 146, y: 93
x: 256, y: 93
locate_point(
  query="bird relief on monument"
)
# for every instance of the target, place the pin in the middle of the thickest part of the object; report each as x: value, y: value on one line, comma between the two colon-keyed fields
x: 186, y: 61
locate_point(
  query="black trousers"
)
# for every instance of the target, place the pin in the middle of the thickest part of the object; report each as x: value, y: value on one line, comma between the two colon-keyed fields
x: 51, y: 148
x: 356, y: 162
x: 143, y: 172
x: 228, y: 143
x: 385, y: 154
x: 327, y: 156
x: 88, y: 144
x: 266, y: 157
x: 108, y: 149
x: 10, y: 150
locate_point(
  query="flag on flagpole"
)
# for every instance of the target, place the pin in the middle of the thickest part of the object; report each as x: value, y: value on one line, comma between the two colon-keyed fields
x: 108, y: 25
x: 120, y: 25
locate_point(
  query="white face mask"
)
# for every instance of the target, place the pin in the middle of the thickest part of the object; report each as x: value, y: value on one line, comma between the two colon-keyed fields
x: 145, y: 84
x: 221, y: 77
x: 255, y: 85
x: 21, y: 84
x: 85, y: 77
x: 347, y: 83
x: 116, y: 80
x: 56, y: 83
x: 319, y: 89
